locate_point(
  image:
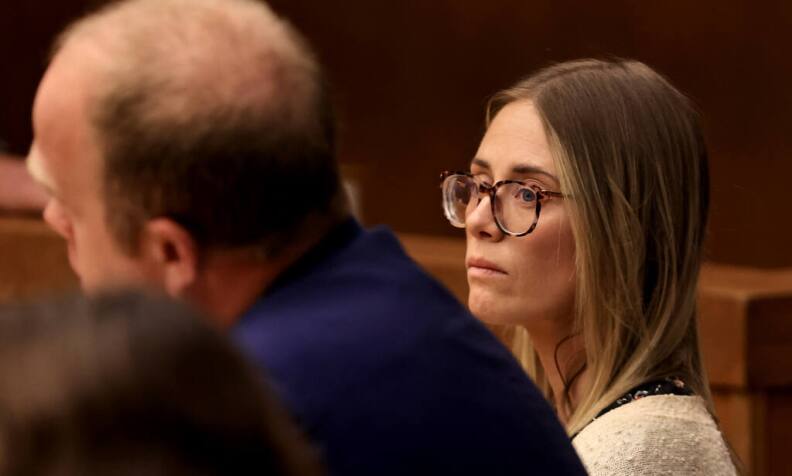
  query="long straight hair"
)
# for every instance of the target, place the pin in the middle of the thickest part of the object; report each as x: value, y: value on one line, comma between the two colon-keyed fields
x: 631, y: 157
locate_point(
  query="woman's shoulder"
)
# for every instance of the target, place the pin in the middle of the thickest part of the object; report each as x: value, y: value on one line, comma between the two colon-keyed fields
x: 662, y: 434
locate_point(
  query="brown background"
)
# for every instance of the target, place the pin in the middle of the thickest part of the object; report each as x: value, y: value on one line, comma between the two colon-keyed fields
x: 412, y: 77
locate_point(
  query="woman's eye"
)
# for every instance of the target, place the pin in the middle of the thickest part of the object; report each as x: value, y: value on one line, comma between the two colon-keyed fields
x: 527, y: 195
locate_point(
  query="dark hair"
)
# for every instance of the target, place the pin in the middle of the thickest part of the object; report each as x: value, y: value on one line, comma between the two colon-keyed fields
x: 129, y: 384
x: 238, y: 146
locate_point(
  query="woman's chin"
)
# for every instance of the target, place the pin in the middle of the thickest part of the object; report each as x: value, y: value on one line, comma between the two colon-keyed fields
x: 489, y: 310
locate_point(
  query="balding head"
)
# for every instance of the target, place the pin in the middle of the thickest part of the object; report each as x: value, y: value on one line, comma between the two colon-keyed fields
x: 210, y: 112
x: 201, y: 55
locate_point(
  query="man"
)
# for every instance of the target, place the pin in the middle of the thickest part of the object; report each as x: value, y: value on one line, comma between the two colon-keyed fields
x: 188, y: 146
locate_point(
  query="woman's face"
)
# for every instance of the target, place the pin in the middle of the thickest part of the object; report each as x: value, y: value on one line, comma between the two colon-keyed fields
x: 529, y: 280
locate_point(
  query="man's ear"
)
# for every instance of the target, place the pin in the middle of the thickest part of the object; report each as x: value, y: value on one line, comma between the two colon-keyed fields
x: 173, y: 252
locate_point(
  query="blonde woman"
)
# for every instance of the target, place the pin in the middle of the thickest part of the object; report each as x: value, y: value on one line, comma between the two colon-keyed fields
x: 585, y: 209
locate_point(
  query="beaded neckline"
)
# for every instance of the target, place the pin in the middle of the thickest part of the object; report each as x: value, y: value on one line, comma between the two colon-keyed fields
x: 666, y: 386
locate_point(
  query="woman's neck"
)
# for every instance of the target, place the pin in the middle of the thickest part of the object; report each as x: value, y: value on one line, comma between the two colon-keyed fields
x: 563, y: 359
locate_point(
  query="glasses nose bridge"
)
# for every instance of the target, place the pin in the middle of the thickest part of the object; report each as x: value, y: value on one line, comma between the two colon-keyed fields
x: 483, y: 191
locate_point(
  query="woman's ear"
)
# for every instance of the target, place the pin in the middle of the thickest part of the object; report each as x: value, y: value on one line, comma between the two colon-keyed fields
x: 173, y: 253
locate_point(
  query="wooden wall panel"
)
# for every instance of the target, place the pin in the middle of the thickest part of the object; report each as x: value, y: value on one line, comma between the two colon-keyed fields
x: 27, y: 29
x: 412, y: 77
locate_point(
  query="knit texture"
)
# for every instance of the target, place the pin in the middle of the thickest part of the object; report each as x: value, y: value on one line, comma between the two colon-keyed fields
x: 653, y: 436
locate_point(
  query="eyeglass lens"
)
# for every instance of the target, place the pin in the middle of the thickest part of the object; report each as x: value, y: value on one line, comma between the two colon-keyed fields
x: 515, y: 203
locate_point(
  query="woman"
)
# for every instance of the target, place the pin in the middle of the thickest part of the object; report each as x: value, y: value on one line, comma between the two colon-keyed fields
x: 585, y: 210
x: 125, y: 384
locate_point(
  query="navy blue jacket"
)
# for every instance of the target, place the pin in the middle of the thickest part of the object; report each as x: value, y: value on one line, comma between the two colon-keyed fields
x: 390, y: 375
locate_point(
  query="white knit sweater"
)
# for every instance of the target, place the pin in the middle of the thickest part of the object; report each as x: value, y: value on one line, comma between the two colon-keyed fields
x: 653, y: 436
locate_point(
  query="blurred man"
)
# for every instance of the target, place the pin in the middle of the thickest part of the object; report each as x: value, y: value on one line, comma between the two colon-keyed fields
x: 188, y: 145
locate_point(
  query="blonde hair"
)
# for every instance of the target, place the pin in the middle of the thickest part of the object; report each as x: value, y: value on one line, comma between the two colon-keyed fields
x: 631, y: 157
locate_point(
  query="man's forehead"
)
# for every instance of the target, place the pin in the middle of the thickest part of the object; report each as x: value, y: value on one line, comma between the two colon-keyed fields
x: 64, y: 148
x: 64, y: 85
x: 37, y: 168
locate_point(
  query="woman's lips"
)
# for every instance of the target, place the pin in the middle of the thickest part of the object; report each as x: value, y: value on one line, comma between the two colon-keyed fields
x: 483, y: 268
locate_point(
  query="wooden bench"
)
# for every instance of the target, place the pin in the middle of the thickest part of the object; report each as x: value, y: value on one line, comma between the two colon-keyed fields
x: 33, y: 259
x: 746, y: 329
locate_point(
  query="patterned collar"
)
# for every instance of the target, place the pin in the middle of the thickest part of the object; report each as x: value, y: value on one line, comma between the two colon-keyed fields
x: 666, y: 386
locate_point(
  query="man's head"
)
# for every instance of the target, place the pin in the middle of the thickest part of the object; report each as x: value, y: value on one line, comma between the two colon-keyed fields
x: 166, y: 129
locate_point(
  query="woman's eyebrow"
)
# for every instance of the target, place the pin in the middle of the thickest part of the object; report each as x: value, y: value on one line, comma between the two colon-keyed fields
x: 525, y: 169
x: 481, y: 163
x: 520, y: 169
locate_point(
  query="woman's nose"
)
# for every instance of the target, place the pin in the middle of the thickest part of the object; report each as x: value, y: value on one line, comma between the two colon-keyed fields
x: 480, y: 222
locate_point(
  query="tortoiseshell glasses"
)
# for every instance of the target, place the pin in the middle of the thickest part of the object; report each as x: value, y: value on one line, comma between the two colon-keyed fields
x: 515, y: 204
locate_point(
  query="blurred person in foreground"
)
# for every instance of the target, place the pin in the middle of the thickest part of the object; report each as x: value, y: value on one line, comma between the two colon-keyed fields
x: 127, y: 384
x: 585, y: 210
x: 189, y: 146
